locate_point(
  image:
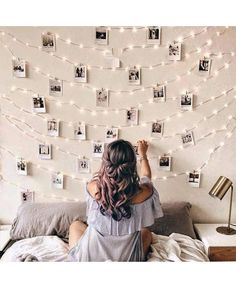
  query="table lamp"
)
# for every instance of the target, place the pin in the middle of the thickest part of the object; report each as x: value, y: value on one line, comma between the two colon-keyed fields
x: 218, y: 191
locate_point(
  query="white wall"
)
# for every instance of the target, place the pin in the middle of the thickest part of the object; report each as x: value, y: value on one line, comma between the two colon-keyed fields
x: 205, y: 209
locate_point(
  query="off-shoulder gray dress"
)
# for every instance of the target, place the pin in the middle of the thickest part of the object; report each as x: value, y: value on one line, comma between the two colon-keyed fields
x: 108, y: 240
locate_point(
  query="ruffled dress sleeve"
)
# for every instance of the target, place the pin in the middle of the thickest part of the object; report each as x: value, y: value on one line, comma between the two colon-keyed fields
x: 143, y: 214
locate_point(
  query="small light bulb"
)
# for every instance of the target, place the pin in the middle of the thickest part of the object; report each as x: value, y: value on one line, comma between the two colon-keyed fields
x: 122, y: 30
x: 68, y: 41
x: 226, y: 65
x: 209, y: 42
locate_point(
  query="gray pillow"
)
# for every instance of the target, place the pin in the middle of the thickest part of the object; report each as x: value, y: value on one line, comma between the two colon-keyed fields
x: 42, y: 219
x: 176, y: 219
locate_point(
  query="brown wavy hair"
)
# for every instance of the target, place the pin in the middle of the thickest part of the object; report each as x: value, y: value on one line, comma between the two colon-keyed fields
x: 117, y: 179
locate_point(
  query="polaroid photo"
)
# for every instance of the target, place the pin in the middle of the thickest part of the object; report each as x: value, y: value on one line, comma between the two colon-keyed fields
x: 186, y: 101
x: 48, y: 42
x: 21, y: 166
x: 27, y: 196
x: 112, y: 62
x: 102, y: 97
x: 157, y: 129
x: 194, y: 179
x: 57, y: 180
x: 187, y: 139
x: 98, y: 149
x: 165, y: 163
x: 132, y: 116
x: 55, y: 87
x: 159, y: 93
x: 136, y: 149
x: 39, y: 105
x: 45, y: 152
x: 53, y: 127
x: 204, y: 66
x: 134, y: 76
x: 80, y: 131
x: 83, y: 165
x: 154, y: 35
x: 175, y: 51
x: 19, y: 68
x: 101, y: 35
x: 80, y: 73
x: 111, y: 134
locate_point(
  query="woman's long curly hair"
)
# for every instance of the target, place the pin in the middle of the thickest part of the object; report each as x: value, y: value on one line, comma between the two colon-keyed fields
x: 117, y: 179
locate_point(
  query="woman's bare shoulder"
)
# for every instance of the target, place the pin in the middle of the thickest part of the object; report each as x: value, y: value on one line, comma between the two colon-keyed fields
x: 93, y: 189
x: 144, y: 193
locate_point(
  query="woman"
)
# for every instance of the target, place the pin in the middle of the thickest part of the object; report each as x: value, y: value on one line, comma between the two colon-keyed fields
x: 119, y: 207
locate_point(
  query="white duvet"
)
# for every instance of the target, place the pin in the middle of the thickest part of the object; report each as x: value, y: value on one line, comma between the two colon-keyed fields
x: 174, y: 248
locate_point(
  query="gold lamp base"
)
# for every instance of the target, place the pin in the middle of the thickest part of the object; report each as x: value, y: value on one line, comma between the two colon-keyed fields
x: 226, y: 230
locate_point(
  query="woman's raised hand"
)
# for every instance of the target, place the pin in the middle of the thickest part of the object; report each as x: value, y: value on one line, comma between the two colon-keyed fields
x: 142, y: 148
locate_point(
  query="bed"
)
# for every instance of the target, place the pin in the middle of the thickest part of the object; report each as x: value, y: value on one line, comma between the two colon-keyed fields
x: 39, y: 233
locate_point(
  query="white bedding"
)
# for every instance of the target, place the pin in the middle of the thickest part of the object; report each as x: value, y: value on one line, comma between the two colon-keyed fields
x: 40, y: 248
x: 175, y: 248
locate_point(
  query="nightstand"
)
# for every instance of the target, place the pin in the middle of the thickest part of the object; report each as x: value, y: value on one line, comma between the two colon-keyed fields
x: 4, y: 237
x: 220, y: 247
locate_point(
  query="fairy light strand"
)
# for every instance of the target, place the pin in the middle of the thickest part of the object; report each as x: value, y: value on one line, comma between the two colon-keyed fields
x: 116, y: 110
x: 66, y: 59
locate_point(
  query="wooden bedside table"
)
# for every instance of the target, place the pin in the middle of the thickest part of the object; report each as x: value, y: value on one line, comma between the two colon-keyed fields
x: 220, y: 247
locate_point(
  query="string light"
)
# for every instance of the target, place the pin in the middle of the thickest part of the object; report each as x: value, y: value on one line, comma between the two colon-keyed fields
x: 69, y: 42
x: 178, y: 114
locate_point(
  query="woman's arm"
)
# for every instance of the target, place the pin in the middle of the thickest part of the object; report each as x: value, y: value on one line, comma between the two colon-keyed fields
x: 142, y: 151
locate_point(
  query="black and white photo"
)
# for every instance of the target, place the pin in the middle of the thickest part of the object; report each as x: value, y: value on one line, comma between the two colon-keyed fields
x: 21, y: 166
x: 27, y: 196
x: 39, y: 105
x: 186, y: 101
x: 132, y: 116
x: 83, y: 165
x: 102, y: 97
x: 165, y: 163
x: 101, y: 35
x: 19, y: 68
x: 159, y: 93
x: 194, y: 179
x: 80, y: 131
x: 187, y: 139
x: 57, y: 180
x: 111, y: 134
x: 53, y: 126
x: 48, y: 42
x: 45, y: 151
x: 175, y: 51
x: 55, y: 87
x: 154, y: 35
x: 134, y: 75
x: 136, y: 149
x: 80, y: 72
x: 98, y: 149
x: 157, y: 129
x: 204, y: 66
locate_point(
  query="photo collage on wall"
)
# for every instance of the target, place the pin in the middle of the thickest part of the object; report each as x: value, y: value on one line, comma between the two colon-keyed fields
x: 80, y: 73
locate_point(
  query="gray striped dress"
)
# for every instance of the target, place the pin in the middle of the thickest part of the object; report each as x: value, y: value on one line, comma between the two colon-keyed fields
x: 108, y: 240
